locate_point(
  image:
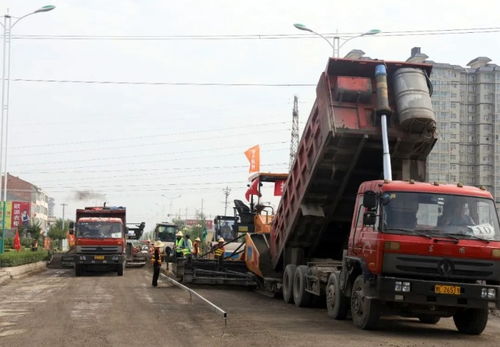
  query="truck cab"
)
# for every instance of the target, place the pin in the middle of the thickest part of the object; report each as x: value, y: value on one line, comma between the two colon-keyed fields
x: 165, y: 233
x: 426, y: 249
x: 100, y: 239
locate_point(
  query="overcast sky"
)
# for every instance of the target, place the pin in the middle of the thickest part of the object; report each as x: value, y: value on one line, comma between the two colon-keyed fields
x: 161, y: 148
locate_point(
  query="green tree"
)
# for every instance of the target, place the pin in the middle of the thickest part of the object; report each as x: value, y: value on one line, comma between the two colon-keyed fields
x: 57, y: 231
x: 34, y: 229
x: 179, y: 222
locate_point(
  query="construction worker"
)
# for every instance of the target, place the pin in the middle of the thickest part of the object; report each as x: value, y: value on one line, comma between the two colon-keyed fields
x: 219, y: 251
x: 156, y: 261
x: 179, y: 244
x: 196, y: 247
x: 188, y: 247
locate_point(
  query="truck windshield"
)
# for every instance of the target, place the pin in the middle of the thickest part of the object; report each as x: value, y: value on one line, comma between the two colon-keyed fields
x: 225, y: 229
x: 436, y: 215
x: 166, y: 233
x: 99, y: 230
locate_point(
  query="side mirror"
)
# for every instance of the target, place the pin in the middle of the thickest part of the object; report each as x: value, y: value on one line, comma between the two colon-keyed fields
x: 369, y: 218
x: 71, y: 231
x: 370, y: 200
x: 71, y: 228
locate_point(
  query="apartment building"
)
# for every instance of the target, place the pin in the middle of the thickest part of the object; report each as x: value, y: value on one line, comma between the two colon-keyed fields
x: 466, y: 101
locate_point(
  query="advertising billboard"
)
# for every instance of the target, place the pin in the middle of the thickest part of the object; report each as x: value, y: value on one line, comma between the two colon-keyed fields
x: 21, y: 214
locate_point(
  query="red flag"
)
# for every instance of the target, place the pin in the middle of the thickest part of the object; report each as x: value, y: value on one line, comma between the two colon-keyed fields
x: 17, y: 241
x: 253, y: 190
x: 253, y: 156
x: 278, y: 188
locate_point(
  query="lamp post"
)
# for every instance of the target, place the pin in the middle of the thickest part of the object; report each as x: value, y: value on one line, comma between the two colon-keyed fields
x: 335, y: 44
x: 7, y: 31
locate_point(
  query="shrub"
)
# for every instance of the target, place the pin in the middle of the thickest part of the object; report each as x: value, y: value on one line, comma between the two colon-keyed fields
x: 23, y: 257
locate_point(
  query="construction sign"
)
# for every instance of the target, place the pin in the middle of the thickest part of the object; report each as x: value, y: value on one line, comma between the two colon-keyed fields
x: 253, y: 156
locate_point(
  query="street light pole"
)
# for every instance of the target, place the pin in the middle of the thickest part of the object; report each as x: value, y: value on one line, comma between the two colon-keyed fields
x: 336, y: 45
x: 4, y: 131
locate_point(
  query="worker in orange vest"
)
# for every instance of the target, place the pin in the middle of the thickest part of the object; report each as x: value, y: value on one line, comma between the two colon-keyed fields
x: 197, y: 247
x: 156, y: 261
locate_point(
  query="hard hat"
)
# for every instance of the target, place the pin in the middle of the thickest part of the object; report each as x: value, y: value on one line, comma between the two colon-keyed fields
x: 221, y: 239
x: 197, y: 239
x: 179, y: 233
x: 158, y: 244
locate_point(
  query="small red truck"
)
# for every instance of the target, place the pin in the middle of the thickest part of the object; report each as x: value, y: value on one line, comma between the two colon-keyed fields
x: 100, y: 239
x: 347, y: 233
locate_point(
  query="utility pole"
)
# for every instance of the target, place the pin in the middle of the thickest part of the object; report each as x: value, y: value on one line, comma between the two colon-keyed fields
x: 226, y: 192
x: 294, y: 144
x: 63, y: 206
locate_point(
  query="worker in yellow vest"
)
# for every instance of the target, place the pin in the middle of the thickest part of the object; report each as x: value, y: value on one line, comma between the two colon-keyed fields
x: 219, y: 252
x: 179, y: 244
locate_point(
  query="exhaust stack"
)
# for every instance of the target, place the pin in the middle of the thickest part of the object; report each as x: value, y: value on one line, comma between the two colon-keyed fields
x: 383, y: 110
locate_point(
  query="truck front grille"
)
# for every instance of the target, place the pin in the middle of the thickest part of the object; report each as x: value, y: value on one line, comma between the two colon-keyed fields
x: 98, y: 249
x: 439, y: 267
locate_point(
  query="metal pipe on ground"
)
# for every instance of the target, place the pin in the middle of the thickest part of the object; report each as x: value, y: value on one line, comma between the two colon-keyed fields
x: 192, y: 292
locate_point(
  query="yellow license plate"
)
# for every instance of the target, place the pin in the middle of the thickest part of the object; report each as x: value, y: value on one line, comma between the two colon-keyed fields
x: 444, y: 289
x: 98, y: 257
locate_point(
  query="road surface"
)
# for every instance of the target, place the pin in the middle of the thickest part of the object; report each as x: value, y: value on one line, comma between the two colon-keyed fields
x: 56, y: 309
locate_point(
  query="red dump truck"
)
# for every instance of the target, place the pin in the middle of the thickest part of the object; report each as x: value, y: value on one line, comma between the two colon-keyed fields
x: 100, y: 239
x: 350, y: 234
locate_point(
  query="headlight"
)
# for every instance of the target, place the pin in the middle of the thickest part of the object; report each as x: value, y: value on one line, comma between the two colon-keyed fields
x: 488, y: 293
x: 406, y: 287
x: 495, y: 253
x: 400, y: 286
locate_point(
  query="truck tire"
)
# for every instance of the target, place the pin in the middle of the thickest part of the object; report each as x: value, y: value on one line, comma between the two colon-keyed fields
x: 288, y: 276
x: 336, y: 302
x: 78, y: 270
x: 429, y: 319
x: 300, y: 296
x: 119, y: 270
x: 471, y: 321
x: 365, y: 312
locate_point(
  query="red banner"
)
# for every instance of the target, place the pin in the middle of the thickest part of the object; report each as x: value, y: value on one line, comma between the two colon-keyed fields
x: 253, y: 190
x: 253, y: 156
x: 21, y: 214
x: 278, y: 188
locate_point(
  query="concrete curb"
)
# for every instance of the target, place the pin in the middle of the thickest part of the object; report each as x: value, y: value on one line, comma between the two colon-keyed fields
x: 16, y: 272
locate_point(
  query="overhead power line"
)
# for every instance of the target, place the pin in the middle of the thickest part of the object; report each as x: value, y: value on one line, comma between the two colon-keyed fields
x: 149, y: 83
x: 150, y: 136
x: 233, y: 37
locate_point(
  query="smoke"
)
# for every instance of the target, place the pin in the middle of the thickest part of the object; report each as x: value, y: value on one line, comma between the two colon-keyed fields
x: 81, y: 195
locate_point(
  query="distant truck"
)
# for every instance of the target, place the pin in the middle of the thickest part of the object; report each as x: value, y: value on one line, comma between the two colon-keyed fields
x: 165, y: 233
x: 100, y: 239
x: 135, y: 254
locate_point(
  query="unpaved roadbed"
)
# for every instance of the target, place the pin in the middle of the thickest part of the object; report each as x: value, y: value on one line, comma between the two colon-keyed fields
x: 54, y: 308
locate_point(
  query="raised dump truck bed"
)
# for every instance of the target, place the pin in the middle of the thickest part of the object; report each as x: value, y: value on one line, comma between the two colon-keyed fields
x: 341, y: 147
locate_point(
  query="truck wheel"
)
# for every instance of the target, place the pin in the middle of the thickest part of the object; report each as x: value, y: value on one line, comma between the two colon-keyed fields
x: 336, y: 302
x: 365, y: 312
x: 119, y: 270
x: 471, y: 321
x: 78, y: 270
x: 429, y: 319
x: 300, y: 296
x: 288, y: 276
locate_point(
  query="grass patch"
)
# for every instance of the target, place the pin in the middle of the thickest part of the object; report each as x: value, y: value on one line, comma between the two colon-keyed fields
x: 20, y: 258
